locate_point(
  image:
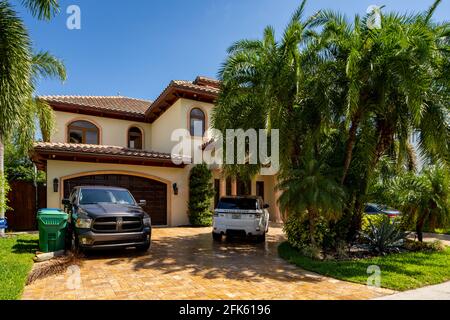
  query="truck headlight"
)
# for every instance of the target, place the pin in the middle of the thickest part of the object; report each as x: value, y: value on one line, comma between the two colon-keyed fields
x: 83, y: 223
x: 147, y: 222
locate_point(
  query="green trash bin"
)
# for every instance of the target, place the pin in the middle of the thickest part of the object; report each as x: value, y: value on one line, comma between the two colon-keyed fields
x: 52, y: 229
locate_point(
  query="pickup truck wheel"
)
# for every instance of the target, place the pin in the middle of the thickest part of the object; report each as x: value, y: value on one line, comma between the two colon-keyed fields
x: 217, y: 236
x: 144, y: 247
x: 76, y: 249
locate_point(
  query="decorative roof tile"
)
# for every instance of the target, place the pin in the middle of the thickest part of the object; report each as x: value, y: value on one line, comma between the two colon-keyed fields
x: 202, y: 88
x: 101, y: 150
x: 108, y: 103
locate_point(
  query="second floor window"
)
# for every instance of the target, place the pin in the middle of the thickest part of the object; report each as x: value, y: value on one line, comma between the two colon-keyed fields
x: 83, y: 132
x: 197, y: 122
x: 135, y: 138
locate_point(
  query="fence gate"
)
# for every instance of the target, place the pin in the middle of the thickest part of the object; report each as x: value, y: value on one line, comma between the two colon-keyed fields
x: 25, y: 200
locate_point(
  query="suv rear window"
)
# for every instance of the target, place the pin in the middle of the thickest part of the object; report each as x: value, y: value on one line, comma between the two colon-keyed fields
x: 238, y: 204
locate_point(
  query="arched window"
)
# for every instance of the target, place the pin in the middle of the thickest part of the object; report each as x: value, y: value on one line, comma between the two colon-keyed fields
x: 197, y: 122
x: 134, y: 138
x: 83, y: 132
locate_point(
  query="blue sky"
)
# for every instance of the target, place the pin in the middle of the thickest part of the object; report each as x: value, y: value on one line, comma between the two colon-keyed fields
x: 136, y: 47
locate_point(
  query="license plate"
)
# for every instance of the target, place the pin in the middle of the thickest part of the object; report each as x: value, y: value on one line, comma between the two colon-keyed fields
x: 236, y: 216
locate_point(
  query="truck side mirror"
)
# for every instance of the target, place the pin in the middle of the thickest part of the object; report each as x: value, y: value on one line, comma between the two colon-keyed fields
x: 142, y: 203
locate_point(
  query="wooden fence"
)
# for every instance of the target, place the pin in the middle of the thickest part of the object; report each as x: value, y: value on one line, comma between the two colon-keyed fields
x: 25, y: 201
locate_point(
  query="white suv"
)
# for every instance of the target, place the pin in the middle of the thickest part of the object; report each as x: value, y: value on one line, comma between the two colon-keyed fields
x: 246, y: 216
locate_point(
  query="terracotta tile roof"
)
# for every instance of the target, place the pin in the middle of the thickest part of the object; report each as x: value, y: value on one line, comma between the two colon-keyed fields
x: 195, y: 86
x: 100, y: 150
x: 200, y: 80
x: 202, y: 88
x: 107, y: 103
x: 190, y: 89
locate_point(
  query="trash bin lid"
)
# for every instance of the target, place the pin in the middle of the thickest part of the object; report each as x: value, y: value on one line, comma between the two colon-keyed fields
x: 52, y: 212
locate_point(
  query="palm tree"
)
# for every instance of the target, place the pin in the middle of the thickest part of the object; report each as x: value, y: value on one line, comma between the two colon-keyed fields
x: 424, y: 199
x: 20, y: 69
x: 395, y: 85
x: 311, y: 193
x: 394, y: 78
x: 262, y: 87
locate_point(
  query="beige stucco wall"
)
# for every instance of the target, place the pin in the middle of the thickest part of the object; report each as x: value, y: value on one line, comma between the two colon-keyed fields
x: 113, y: 132
x: 176, y: 117
x: 177, y: 204
x: 157, y: 136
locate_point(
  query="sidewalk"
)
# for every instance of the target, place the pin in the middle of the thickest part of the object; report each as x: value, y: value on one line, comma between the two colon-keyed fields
x: 430, y: 237
x: 437, y: 292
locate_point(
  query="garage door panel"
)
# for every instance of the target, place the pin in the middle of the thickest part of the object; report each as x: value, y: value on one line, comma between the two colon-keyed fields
x: 154, y: 192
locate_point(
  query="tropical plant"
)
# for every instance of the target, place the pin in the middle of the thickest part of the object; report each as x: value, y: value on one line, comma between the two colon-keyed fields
x: 262, y: 86
x: 424, y: 199
x: 20, y: 70
x: 201, y: 193
x: 310, y: 194
x: 298, y: 233
x: 18, y: 165
x: 383, y: 236
x: 345, y: 94
x: 394, y: 86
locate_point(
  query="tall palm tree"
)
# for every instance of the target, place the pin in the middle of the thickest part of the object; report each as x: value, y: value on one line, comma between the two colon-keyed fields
x: 20, y: 69
x: 394, y: 78
x: 395, y: 86
x: 261, y: 83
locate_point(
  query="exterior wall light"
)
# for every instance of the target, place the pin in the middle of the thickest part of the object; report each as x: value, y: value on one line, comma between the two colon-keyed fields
x: 175, y: 188
x: 55, y: 184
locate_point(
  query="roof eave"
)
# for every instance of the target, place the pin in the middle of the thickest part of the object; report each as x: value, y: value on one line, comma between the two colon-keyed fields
x: 174, y: 92
x: 93, y: 111
x: 43, y: 155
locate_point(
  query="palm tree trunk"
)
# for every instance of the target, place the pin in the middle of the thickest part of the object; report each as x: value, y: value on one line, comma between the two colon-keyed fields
x: 312, y: 227
x: 2, y: 190
x: 349, y: 146
x: 419, y: 230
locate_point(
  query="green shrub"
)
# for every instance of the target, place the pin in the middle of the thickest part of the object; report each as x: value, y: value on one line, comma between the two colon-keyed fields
x: 375, y: 219
x: 297, y: 233
x: 415, y: 246
x: 201, y: 193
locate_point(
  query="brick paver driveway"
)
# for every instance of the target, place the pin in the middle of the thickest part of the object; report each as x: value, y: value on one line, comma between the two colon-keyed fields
x: 184, y: 263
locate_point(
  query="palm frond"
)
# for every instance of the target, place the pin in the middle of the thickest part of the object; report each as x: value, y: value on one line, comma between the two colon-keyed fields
x: 430, y: 12
x: 45, y: 65
x: 42, y: 9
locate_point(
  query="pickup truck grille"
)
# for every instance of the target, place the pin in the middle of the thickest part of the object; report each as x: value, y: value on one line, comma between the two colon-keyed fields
x: 117, y: 224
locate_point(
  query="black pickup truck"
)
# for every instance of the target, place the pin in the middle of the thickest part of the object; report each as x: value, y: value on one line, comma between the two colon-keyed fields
x: 106, y: 217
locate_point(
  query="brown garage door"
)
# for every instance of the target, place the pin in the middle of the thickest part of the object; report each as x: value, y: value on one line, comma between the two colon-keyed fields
x: 154, y: 192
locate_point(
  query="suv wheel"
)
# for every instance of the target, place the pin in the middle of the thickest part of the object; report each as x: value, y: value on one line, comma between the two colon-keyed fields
x: 261, y: 238
x: 217, y: 236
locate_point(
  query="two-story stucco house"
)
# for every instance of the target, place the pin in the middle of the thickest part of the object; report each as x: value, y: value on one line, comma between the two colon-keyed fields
x: 119, y: 141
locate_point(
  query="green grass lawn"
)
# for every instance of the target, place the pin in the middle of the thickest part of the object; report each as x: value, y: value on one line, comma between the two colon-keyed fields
x: 16, y: 260
x: 400, y: 272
